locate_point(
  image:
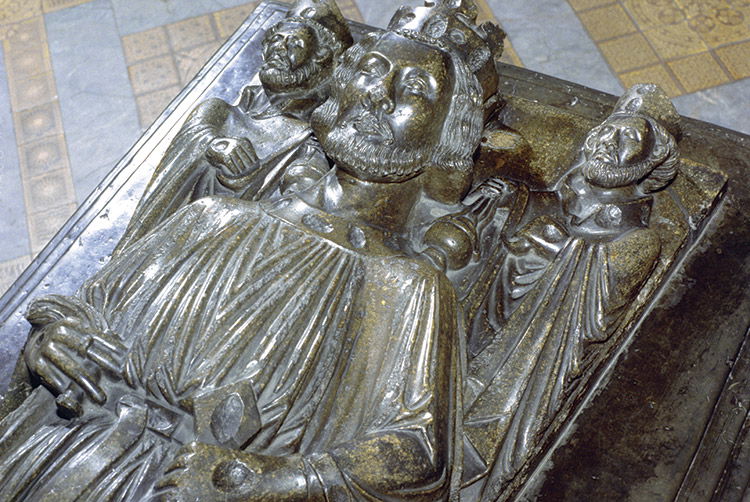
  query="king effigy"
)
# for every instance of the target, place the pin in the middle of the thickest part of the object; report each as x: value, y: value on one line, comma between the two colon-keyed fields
x: 354, y: 313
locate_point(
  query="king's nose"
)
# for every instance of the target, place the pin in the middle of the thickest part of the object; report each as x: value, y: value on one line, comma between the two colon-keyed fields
x: 378, y: 96
x: 607, y: 147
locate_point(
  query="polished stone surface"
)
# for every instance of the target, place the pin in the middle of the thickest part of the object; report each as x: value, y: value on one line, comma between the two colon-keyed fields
x: 139, y: 15
x: 550, y: 39
x: 99, y: 114
x: 14, y: 240
x: 725, y: 105
x: 380, y: 12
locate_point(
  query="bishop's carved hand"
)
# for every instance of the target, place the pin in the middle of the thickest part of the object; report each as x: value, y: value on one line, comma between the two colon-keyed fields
x: 234, y: 155
x: 68, y: 349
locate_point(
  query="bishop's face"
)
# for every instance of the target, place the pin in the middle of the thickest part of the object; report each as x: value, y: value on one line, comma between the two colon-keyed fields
x: 622, y: 141
x: 289, y: 54
x: 617, y: 152
x: 385, y: 122
x: 289, y: 47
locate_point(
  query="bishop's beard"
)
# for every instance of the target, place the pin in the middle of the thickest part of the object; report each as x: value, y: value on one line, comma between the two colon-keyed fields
x: 283, y: 80
x: 607, y: 174
x: 360, y: 156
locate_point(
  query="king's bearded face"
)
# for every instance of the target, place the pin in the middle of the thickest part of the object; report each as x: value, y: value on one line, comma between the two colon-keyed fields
x: 386, y: 121
x: 290, y: 61
x: 618, y: 152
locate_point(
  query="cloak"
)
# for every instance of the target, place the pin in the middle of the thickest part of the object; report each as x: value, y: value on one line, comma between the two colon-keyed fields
x: 349, y: 350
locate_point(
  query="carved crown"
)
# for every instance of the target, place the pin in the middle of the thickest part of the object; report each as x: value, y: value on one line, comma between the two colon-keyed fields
x: 451, y: 24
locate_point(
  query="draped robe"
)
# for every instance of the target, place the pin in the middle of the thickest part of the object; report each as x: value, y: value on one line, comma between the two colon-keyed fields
x: 350, y: 347
x: 184, y: 174
x: 561, y: 292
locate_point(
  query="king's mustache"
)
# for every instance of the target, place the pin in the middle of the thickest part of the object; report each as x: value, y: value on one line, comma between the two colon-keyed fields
x: 369, y: 121
x: 279, y: 60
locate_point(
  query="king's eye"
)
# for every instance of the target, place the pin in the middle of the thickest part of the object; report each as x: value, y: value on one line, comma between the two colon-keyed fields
x: 369, y: 66
x: 416, y: 85
x: 631, y: 133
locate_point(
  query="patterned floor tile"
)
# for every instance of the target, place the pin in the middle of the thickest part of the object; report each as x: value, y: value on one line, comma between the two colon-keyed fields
x: 153, y: 74
x: 699, y: 72
x: 647, y: 14
x: 14, y: 238
x: 155, y: 46
x: 673, y: 41
x: 191, y: 32
x: 686, y: 45
x: 27, y: 62
x: 655, y: 74
x: 609, y: 21
x: 38, y: 122
x: 228, y: 20
x: 189, y: 62
x: 12, y: 11
x: 628, y: 52
x: 32, y: 91
x: 718, y: 21
x: 25, y: 35
x: 150, y: 105
x: 10, y: 270
x: 145, y: 44
x: 50, y: 190
x: 44, y: 155
x: 736, y: 58
x: 43, y: 225
x: 164, y: 59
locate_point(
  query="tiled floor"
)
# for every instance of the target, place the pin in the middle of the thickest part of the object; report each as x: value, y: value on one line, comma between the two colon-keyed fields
x: 163, y: 59
x: 686, y: 46
x: 81, y: 79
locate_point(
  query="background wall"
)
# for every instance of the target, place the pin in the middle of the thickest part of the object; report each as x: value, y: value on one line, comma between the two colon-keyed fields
x: 80, y: 80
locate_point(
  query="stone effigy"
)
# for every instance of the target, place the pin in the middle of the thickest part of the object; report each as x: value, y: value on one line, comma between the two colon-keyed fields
x: 243, y: 149
x: 412, y: 309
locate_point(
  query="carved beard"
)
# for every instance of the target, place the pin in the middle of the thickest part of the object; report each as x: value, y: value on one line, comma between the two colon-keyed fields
x: 609, y: 174
x: 276, y: 78
x: 360, y: 156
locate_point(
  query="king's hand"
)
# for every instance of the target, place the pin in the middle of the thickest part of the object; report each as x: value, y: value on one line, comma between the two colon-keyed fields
x: 68, y: 348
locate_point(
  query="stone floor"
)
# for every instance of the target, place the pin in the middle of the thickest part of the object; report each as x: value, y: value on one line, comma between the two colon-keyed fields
x: 80, y: 80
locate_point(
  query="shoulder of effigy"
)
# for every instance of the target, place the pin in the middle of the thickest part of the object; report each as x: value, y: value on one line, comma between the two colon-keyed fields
x: 221, y: 207
x: 209, y: 108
